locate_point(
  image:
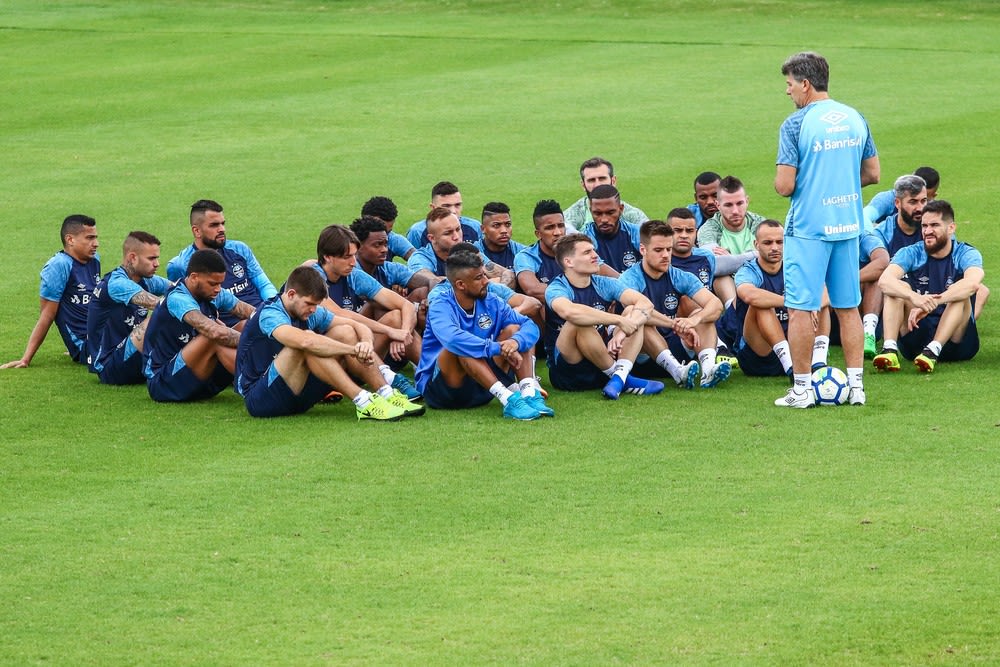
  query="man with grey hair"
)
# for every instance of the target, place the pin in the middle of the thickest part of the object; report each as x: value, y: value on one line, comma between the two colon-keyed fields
x: 593, y: 172
x: 825, y: 156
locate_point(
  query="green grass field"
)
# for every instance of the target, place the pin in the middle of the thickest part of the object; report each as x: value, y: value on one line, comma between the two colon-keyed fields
x: 702, y: 527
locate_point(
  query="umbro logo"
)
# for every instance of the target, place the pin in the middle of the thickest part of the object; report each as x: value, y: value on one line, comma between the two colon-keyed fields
x: 833, y: 117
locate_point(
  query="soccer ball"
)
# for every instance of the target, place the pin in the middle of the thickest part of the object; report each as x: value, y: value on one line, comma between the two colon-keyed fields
x: 830, y: 386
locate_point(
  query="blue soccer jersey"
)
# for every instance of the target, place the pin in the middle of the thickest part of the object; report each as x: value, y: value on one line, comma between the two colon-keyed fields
x: 417, y: 234
x: 868, y: 243
x: 353, y: 290
x: 879, y: 208
x: 70, y: 283
x: 700, y: 262
x: 893, y: 237
x: 399, y: 246
x: 931, y: 275
x: 545, y: 266
x: 258, y: 347
x: 826, y: 142
x: 167, y: 332
x: 425, y: 258
x: 245, y: 278
x: 621, y: 249
x: 112, y: 315
x: 393, y: 274
x: 731, y: 322
x: 464, y: 334
x: 666, y: 291
x: 601, y: 294
x: 504, y: 257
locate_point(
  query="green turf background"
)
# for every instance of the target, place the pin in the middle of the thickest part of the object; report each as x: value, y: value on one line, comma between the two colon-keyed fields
x: 698, y: 527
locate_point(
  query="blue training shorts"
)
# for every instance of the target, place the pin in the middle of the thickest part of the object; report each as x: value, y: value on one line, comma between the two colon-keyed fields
x: 574, y: 377
x: 914, y: 342
x: 175, y: 382
x: 270, y: 395
x: 754, y: 365
x: 439, y: 395
x: 123, y: 365
x: 809, y: 264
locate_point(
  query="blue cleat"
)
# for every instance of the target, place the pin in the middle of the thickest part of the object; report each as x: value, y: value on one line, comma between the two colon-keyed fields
x: 538, y: 403
x: 719, y: 374
x: 401, y: 384
x: 634, y: 385
x: 613, y: 389
x: 518, y: 408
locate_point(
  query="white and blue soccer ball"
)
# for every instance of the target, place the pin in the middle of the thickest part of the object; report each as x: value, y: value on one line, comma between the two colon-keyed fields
x: 830, y: 385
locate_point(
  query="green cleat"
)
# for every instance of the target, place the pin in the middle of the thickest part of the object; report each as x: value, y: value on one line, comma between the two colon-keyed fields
x: 887, y: 361
x: 409, y: 408
x: 869, y: 346
x: 380, y: 409
x: 925, y: 363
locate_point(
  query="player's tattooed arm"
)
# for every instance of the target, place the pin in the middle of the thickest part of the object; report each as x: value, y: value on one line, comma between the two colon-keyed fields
x: 243, y: 310
x: 212, y: 329
x: 145, y: 300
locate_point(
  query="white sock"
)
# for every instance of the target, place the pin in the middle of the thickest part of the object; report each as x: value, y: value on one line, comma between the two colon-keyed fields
x: 667, y: 361
x: 385, y: 391
x: 707, y: 360
x: 387, y: 373
x: 622, y: 368
x: 821, y: 349
x: 527, y: 387
x: 870, y: 323
x: 934, y: 347
x: 889, y: 344
x: 854, y: 377
x: 501, y: 392
x: 784, y: 355
x: 801, y: 382
x: 363, y: 399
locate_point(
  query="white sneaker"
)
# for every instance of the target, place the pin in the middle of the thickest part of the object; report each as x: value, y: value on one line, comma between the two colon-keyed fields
x: 687, y: 375
x: 796, y: 399
x: 856, y: 397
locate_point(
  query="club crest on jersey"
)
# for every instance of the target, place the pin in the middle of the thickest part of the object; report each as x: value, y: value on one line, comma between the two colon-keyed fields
x: 670, y: 303
x: 703, y: 276
x: 629, y: 259
x: 238, y: 270
x: 599, y: 306
x: 484, y: 322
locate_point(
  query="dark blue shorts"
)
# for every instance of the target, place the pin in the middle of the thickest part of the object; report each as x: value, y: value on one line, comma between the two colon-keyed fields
x: 174, y: 382
x: 270, y: 396
x: 755, y: 365
x: 914, y: 342
x: 123, y: 365
x: 574, y: 377
x: 471, y: 394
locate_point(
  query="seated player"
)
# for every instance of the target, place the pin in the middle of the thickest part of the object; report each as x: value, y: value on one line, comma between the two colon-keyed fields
x: 385, y: 210
x: 536, y: 266
x: 706, y: 197
x: 883, y: 204
x: 729, y: 234
x: 496, y: 242
x: 444, y: 195
x: 594, y: 172
x: 293, y: 352
x: 592, y: 345
x: 616, y: 240
x: 350, y: 287
x: 757, y: 319
x: 684, y: 313
x: 67, y: 286
x: 874, y: 258
x: 245, y: 277
x: 929, y: 292
x: 189, y: 353
x: 475, y: 345
x: 118, y: 315
x: 443, y: 232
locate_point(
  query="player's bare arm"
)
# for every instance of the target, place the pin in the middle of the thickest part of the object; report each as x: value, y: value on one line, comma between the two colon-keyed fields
x: 214, y: 330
